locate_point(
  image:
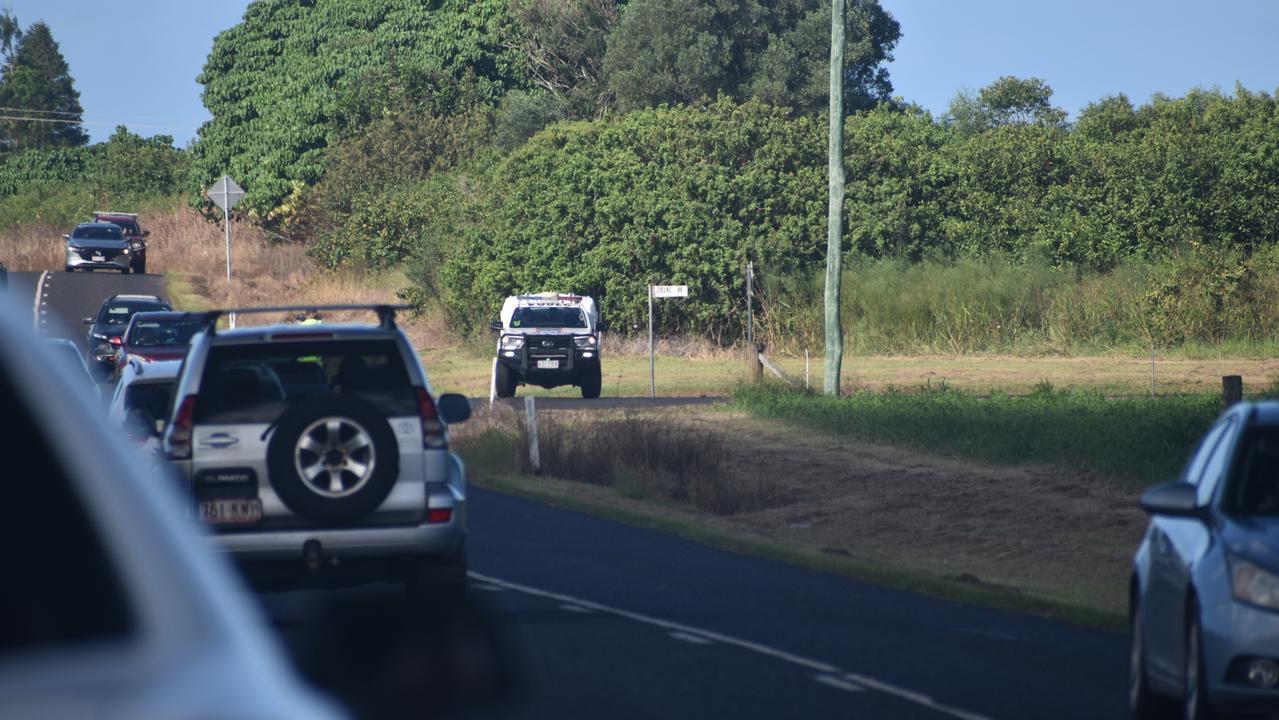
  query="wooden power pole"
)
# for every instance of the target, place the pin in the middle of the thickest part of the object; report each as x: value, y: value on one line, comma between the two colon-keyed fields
x: 835, y: 211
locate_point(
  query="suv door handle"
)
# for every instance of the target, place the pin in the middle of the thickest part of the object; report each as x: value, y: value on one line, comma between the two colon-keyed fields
x: 220, y: 440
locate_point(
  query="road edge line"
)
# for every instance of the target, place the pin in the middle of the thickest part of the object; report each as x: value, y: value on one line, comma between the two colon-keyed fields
x: 35, y: 305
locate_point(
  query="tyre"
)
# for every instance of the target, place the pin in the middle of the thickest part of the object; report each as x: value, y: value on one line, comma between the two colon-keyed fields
x: 590, y: 383
x: 333, y: 459
x: 68, y: 268
x: 124, y: 270
x: 504, y: 379
x: 140, y: 266
x: 1143, y: 703
x: 1195, y: 705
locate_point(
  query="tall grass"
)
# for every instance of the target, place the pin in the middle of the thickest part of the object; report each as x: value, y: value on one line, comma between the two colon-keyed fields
x: 1200, y: 297
x: 1141, y: 440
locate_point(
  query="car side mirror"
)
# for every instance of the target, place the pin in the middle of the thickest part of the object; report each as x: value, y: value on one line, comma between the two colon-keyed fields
x: 146, y: 233
x: 1174, y: 499
x: 88, y: 321
x: 496, y: 325
x: 66, y: 237
x: 453, y: 408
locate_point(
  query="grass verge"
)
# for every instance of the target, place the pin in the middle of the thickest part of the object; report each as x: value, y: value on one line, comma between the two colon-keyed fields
x: 493, y: 451
x: 1144, y: 440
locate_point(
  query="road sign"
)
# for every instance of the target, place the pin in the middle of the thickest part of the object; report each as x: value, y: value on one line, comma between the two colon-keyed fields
x: 225, y: 193
x: 658, y: 291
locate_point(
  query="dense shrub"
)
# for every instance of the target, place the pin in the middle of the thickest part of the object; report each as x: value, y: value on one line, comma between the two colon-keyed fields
x: 670, y: 195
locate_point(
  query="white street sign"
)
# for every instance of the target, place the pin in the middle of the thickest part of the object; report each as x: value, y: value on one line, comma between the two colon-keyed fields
x: 225, y: 193
x: 668, y: 291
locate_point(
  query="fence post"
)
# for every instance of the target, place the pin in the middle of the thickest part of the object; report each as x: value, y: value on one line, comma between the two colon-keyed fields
x: 1231, y: 390
x: 493, y: 383
x: 534, y: 455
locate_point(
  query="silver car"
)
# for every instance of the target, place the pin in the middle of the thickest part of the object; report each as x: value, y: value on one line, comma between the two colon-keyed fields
x: 98, y: 245
x: 141, y: 400
x: 112, y: 606
x: 1205, y: 581
x: 319, y: 454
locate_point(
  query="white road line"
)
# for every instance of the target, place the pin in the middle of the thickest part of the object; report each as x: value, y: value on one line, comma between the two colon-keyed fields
x: 574, y: 607
x: 35, y: 306
x: 912, y: 696
x: 689, y: 638
x: 840, y: 683
x: 489, y: 588
x: 834, y: 674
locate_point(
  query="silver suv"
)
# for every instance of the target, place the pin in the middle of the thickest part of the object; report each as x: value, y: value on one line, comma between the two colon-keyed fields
x: 319, y: 452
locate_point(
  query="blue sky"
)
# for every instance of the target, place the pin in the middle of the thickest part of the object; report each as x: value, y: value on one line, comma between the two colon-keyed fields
x: 135, y: 61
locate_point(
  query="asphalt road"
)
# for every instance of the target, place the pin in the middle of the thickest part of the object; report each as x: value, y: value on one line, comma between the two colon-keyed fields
x: 67, y: 298
x: 574, y: 616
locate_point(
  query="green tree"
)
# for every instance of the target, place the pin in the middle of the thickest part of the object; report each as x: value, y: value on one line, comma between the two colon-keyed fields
x: 133, y: 167
x: 10, y: 37
x: 278, y: 84
x: 563, y: 42
x: 1007, y: 101
x: 776, y: 52
x: 39, y: 82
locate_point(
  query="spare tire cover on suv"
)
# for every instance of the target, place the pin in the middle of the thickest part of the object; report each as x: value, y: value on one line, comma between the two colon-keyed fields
x: 333, y: 459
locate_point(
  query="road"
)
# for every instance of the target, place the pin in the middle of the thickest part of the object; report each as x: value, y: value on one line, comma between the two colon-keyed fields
x: 67, y: 298
x: 575, y: 616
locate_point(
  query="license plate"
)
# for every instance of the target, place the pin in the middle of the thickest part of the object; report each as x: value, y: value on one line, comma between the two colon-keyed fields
x: 99, y: 258
x: 231, y: 511
x: 548, y: 364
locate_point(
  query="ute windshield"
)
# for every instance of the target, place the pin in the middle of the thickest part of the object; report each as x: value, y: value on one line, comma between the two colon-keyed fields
x: 548, y: 317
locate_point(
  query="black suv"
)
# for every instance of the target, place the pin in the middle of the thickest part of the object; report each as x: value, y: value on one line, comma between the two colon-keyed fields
x: 106, y: 329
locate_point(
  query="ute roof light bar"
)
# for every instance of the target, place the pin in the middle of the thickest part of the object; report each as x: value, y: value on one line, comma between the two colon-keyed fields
x: 113, y: 213
x: 385, y: 313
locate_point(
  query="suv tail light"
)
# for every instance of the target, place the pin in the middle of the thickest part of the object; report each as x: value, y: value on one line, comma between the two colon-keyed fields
x: 114, y: 340
x: 432, y: 428
x: 183, y: 423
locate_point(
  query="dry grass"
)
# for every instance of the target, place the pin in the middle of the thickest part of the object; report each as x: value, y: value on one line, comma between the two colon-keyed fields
x: 641, y: 456
x: 33, y: 247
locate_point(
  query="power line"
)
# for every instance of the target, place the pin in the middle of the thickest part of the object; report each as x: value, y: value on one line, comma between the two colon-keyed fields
x: 40, y: 112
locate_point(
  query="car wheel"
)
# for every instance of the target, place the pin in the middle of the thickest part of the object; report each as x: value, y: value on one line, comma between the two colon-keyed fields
x: 1143, y: 703
x: 68, y: 268
x: 1195, y: 703
x: 140, y: 267
x: 504, y: 379
x: 590, y: 383
x: 124, y: 270
x: 333, y: 459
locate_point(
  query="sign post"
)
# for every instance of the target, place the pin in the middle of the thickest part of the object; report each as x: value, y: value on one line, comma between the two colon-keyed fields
x: 658, y: 291
x: 225, y: 193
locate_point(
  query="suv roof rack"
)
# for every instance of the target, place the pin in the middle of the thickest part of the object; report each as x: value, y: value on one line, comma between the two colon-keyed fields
x: 385, y: 313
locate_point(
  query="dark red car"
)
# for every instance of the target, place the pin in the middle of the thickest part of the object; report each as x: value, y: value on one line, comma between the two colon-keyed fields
x: 155, y: 336
x: 136, y: 236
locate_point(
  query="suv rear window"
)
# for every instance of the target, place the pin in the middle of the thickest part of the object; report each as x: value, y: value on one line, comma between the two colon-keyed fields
x: 163, y: 333
x: 152, y: 398
x: 119, y: 313
x: 254, y: 383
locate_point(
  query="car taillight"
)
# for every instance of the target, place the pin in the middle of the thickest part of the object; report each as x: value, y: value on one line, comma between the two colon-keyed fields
x: 115, y: 340
x: 439, y: 515
x: 183, y: 423
x: 432, y: 428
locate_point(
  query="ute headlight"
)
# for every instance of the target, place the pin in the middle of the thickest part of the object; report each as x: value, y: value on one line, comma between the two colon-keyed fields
x: 136, y: 244
x: 584, y: 342
x: 512, y: 342
x: 1251, y: 584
